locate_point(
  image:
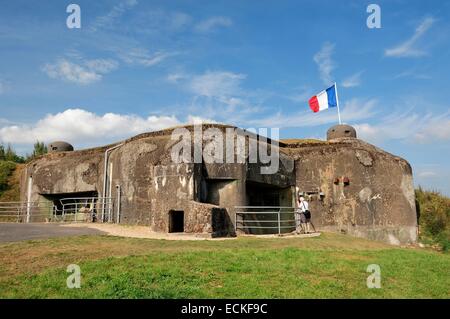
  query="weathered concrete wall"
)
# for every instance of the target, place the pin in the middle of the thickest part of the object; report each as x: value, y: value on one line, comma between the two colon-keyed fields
x: 226, y: 194
x: 378, y: 200
x: 60, y: 173
x: 151, y: 184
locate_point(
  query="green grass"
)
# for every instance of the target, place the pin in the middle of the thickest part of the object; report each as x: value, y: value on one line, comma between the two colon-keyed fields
x: 331, y: 266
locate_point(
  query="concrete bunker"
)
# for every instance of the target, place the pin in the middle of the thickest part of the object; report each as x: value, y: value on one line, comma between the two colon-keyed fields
x: 152, y: 189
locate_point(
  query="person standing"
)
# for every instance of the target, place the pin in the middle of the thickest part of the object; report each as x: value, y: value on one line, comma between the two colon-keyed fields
x: 304, y: 207
x: 300, y: 217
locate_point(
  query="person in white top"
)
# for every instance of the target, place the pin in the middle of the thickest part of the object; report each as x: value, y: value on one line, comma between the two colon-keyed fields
x: 304, y: 208
x: 303, y: 204
x: 300, y: 217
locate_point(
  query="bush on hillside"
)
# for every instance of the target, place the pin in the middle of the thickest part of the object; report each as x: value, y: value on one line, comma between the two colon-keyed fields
x: 6, y: 170
x: 8, y: 154
x: 433, y: 210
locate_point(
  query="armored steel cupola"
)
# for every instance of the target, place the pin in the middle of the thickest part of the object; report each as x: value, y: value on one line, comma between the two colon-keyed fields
x: 59, y: 146
x: 341, y: 131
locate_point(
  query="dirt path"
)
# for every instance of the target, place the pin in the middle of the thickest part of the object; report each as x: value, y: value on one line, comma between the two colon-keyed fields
x: 145, y: 232
x: 138, y: 232
x: 11, y: 232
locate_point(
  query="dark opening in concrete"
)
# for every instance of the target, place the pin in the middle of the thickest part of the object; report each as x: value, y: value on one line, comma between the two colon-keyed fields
x: 176, y: 221
x: 214, y: 189
x: 70, y: 199
x: 262, y: 194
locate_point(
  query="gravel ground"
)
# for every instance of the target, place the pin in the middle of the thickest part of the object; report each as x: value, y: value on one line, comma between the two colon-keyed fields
x: 140, y: 232
x: 10, y: 232
x: 145, y: 232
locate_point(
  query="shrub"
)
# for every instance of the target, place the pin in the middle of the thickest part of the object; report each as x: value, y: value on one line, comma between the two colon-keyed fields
x: 433, y: 210
x: 6, y: 170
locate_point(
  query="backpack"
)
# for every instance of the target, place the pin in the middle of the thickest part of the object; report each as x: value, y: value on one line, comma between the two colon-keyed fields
x: 307, y: 213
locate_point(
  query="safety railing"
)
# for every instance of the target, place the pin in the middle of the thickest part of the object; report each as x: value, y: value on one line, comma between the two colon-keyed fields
x: 81, y: 209
x: 25, y: 211
x: 265, y: 219
x: 77, y: 209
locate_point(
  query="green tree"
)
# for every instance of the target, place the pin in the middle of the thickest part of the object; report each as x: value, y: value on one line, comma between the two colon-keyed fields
x: 11, y: 155
x: 2, y: 152
x: 6, y: 169
x: 39, y: 149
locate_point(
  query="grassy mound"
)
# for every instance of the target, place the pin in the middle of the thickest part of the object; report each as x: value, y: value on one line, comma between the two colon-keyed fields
x: 329, y: 266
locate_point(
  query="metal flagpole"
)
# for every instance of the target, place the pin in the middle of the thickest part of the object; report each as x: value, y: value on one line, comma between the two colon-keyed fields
x: 337, y: 102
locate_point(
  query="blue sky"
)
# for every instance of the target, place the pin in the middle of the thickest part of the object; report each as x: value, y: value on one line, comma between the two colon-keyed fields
x: 137, y: 66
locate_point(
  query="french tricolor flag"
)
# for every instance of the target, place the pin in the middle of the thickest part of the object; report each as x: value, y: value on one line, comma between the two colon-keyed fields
x: 325, y: 99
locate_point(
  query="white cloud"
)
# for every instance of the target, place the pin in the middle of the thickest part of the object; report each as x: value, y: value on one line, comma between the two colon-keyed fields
x: 427, y: 174
x: 212, y: 24
x: 79, y: 126
x: 353, y: 80
x: 324, y: 61
x: 218, y: 84
x: 407, y: 48
x: 413, y: 74
x: 88, y: 72
x: 191, y: 119
x: 117, y: 11
x: 351, y: 111
x: 84, y: 128
x: 407, y: 126
x: 5, y: 122
x: 300, y: 95
x: 176, y: 77
x: 219, y: 95
x: 143, y: 57
x: 157, y: 22
x: 101, y: 65
x: 434, y: 128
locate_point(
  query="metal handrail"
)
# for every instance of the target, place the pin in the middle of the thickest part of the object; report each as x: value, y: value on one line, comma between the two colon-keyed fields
x: 241, y: 223
x: 266, y: 227
x: 266, y: 212
x: 268, y: 221
x: 19, y: 210
x: 74, y: 205
x: 69, y: 210
x: 268, y: 207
